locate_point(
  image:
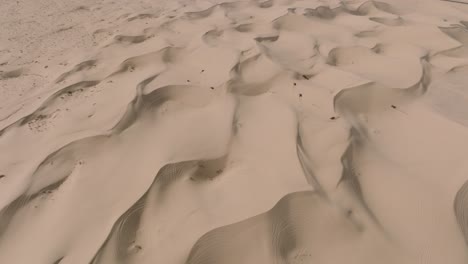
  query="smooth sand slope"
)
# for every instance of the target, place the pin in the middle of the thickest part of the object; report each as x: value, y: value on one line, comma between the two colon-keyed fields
x: 210, y: 132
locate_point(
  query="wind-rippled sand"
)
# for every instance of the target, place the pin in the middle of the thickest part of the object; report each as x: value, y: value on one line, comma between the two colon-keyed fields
x: 209, y: 132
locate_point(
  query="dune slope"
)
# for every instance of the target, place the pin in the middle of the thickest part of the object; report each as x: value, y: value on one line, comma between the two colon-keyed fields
x: 209, y: 131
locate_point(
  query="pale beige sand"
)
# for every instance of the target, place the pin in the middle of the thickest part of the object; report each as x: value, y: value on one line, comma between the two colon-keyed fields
x: 208, y: 132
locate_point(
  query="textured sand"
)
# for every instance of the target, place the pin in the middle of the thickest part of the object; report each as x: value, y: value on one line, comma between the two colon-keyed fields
x: 209, y: 132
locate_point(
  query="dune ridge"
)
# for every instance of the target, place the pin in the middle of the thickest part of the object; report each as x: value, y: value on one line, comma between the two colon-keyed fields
x: 198, y: 132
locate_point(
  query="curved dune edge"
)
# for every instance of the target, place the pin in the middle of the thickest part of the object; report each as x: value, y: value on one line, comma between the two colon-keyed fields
x: 278, y: 131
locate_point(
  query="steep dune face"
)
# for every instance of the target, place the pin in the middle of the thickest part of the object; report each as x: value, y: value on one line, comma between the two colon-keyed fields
x: 198, y: 132
x: 301, y: 228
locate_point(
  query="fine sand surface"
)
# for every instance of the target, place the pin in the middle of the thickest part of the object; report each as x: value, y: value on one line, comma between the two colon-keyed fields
x: 211, y: 132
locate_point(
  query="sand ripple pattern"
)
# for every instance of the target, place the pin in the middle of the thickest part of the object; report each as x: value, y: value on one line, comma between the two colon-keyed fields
x: 259, y: 131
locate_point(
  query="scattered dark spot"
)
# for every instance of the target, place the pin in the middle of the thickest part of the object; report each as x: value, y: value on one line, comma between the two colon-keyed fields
x: 305, y: 77
x: 394, y: 106
x: 81, y: 8
x: 188, y: 80
x: 202, y: 70
x: 212, y: 88
x: 295, y: 84
x: 90, y: 116
x: 349, y: 212
x: 138, y: 247
x: 2, y: 176
x: 45, y: 67
x: 41, y: 117
x: 333, y: 118
x: 70, y: 93
x: 300, y: 95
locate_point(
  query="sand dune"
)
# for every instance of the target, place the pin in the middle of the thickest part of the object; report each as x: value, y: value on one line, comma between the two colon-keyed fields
x: 259, y: 131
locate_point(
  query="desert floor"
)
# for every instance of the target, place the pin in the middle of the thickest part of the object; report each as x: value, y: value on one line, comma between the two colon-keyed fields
x: 211, y: 132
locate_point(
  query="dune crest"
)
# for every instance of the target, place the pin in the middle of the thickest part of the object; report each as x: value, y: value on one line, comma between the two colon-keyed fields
x: 258, y: 131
